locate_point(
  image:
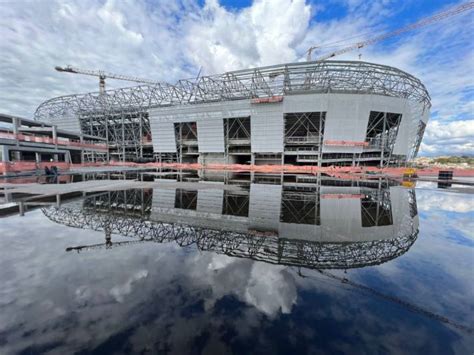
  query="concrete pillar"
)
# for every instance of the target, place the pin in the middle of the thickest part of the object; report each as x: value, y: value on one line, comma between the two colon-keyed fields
x: 5, y: 156
x: 16, y: 124
x: 55, y: 136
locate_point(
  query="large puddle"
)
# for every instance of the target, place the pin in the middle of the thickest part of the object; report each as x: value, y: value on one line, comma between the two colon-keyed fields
x: 241, y: 264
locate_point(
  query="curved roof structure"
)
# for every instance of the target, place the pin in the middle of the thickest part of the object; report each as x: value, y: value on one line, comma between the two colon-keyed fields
x: 285, y: 79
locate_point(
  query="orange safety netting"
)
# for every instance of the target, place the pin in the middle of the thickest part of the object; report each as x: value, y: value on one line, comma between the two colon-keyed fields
x: 334, y: 171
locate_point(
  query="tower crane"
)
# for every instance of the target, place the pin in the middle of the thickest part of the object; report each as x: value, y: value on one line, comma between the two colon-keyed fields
x: 102, y: 75
x: 423, y: 22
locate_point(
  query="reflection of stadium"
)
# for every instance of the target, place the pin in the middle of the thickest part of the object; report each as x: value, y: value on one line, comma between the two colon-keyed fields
x: 306, y: 225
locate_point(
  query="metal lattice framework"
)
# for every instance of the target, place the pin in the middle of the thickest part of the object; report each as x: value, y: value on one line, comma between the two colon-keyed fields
x: 121, y: 115
x: 127, y: 213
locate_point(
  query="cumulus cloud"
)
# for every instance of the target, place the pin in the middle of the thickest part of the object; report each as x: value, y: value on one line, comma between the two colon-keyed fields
x: 170, y: 40
x: 450, y: 202
x: 457, y: 136
x: 120, y: 291
x: 263, y: 34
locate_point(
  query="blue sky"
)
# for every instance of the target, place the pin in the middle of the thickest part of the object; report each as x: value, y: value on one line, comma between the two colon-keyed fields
x: 171, y: 39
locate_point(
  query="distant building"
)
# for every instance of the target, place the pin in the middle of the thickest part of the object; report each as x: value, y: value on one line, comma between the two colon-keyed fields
x: 321, y: 113
x: 29, y: 145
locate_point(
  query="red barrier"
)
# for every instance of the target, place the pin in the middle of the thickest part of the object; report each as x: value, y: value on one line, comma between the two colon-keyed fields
x: 337, y: 172
x: 267, y: 100
x: 342, y: 196
x: 346, y: 143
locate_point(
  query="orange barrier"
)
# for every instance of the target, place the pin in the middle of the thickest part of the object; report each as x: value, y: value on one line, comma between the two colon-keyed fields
x: 334, y: 171
x: 267, y: 100
x: 342, y: 196
x: 346, y: 143
x: 25, y: 166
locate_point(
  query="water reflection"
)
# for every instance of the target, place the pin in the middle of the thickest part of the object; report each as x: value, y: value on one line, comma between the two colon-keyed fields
x: 322, y: 226
x: 176, y: 268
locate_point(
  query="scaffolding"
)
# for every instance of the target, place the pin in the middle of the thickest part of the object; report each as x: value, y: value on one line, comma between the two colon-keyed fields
x: 121, y: 115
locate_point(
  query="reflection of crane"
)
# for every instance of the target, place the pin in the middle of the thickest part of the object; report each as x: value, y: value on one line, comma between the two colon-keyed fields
x: 106, y: 245
x: 424, y: 22
x: 102, y: 75
x: 407, y: 305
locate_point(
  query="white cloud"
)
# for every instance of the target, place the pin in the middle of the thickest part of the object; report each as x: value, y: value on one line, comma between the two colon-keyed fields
x: 169, y: 40
x: 263, y: 34
x: 451, y: 202
x: 455, y: 136
x: 120, y: 291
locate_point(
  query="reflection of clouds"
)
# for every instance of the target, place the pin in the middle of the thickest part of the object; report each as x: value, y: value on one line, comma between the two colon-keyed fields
x: 440, y: 262
x: 445, y: 201
x: 174, y: 297
x: 120, y: 291
x: 269, y: 288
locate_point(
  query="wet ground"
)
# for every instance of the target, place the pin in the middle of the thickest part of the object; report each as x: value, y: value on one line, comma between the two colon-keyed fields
x: 247, y: 264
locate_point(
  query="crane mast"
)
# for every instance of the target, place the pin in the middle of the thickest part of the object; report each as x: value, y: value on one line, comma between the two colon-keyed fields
x: 102, y: 75
x: 424, y: 22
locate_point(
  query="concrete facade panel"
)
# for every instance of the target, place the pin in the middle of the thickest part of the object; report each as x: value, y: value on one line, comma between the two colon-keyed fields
x: 69, y: 122
x: 211, y: 134
x: 210, y: 201
x: 265, y: 207
x: 266, y: 124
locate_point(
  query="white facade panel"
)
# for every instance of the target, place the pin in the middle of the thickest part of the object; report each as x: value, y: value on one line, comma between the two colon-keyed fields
x: 341, y: 215
x: 211, y: 135
x: 210, y: 201
x: 266, y: 124
x: 163, y: 198
x: 346, y: 120
x: 348, y: 116
x: 265, y: 207
x: 69, y: 122
x: 162, y: 132
x: 306, y: 103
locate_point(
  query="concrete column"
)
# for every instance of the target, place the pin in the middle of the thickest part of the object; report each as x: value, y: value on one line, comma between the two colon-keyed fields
x: 5, y: 154
x: 16, y: 124
x: 55, y: 136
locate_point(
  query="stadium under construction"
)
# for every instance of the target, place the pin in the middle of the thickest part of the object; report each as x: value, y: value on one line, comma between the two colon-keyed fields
x: 322, y: 113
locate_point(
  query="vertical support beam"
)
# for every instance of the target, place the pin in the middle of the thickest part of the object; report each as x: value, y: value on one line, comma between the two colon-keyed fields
x: 141, y: 135
x: 383, y: 139
x: 55, y: 136
x: 180, y: 142
x: 16, y: 124
x: 123, y: 137
x: 226, y: 140
x: 322, y: 116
